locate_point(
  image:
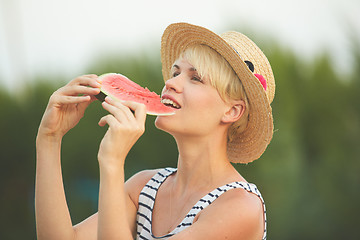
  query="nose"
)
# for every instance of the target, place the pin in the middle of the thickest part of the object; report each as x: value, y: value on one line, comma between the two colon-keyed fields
x: 174, y: 84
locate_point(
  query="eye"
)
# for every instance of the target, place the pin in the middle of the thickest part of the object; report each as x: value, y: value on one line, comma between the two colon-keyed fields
x: 175, y: 74
x: 196, y: 78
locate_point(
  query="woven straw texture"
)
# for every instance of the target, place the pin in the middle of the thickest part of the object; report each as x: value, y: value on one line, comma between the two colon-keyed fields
x: 235, y: 48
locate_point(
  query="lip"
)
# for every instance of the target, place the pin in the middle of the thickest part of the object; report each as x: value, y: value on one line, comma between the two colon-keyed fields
x: 166, y: 96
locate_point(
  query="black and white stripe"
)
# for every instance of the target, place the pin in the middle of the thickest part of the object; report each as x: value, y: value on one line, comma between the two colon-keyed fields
x: 146, y: 204
x: 147, y: 200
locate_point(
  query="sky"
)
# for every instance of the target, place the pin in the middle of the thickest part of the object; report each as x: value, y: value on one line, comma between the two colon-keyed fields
x: 62, y: 37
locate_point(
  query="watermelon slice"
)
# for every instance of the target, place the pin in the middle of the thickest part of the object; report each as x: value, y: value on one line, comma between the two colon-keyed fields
x: 119, y: 87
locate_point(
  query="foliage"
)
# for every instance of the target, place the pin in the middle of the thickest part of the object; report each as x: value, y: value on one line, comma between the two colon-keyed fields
x: 309, y: 176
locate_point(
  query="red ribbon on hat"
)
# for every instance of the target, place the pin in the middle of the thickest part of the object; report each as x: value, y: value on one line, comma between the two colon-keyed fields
x: 262, y: 80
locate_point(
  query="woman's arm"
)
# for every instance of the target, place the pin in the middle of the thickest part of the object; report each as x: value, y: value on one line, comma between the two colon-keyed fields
x: 116, y: 216
x: 65, y: 108
x: 52, y: 216
x: 117, y: 213
x: 87, y: 229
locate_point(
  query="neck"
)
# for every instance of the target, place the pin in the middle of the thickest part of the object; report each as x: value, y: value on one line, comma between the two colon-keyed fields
x: 202, y: 162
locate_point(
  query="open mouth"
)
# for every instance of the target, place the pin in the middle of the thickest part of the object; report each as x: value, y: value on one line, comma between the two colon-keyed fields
x: 170, y: 103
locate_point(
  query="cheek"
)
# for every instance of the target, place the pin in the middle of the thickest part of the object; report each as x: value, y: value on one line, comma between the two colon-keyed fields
x: 202, y: 111
x: 207, y: 104
x: 204, y: 115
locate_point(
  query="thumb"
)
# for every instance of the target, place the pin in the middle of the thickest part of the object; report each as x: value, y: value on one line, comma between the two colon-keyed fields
x: 83, y: 105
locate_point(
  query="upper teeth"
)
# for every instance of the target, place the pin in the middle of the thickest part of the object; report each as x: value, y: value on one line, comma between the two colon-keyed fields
x: 169, y: 102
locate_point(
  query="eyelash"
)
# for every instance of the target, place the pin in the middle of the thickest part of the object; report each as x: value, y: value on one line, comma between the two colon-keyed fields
x: 195, y: 78
x: 175, y: 74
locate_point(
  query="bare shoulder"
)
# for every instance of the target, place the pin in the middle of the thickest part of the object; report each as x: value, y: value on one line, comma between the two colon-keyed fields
x: 136, y: 183
x: 238, y: 214
x: 142, y: 176
x: 240, y: 201
x: 245, y: 201
x: 241, y: 213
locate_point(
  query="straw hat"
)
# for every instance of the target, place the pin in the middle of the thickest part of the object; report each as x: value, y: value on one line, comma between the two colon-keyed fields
x: 252, y: 68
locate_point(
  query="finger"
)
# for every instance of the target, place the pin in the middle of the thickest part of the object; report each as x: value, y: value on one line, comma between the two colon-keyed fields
x: 83, y: 105
x: 90, y: 75
x: 119, y: 111
x: 120, y: 105
x: 74, y: 90
x: 71, y: 99
x: 87, y: 80
x: 109, y: 120
x: 139, y: 110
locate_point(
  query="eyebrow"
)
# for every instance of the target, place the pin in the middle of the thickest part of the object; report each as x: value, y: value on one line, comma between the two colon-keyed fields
x: 192, y: 69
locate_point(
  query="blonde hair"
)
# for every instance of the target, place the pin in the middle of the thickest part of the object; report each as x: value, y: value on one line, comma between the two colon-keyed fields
x: 222, y: 77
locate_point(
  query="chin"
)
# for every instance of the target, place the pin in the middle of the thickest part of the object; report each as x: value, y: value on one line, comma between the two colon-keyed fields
x: 160, y: 122
x: 165, y: 124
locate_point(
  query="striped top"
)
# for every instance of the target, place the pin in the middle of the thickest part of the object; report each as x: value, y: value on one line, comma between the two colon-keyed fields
x: 147, y: 200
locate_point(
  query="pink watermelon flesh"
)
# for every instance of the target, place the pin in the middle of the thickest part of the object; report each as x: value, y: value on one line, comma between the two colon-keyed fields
x: 120, y: 87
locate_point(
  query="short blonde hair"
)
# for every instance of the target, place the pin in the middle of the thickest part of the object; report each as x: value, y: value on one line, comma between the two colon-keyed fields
x: 222, y: 77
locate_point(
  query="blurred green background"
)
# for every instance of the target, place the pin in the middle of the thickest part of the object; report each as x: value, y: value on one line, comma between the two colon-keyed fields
x: 309, y: 175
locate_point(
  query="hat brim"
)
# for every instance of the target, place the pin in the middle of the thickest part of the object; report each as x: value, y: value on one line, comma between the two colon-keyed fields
x: 252, y: 142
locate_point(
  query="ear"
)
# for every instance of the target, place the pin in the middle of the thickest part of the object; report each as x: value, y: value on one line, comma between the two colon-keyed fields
x: 234, y: 112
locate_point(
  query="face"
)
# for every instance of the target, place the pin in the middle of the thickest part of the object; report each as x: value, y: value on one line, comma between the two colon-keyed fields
x: 199, y: 107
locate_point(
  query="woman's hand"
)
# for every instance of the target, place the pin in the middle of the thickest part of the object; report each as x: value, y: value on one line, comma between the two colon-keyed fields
x: 65, y: 108
x: 67, y: 105
x: 125, y: 128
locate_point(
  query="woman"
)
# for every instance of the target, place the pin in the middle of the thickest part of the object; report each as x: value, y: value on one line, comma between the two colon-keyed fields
x: 221, y: 87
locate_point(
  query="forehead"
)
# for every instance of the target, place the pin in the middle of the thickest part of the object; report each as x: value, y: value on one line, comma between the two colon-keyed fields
x: 183, y: 64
